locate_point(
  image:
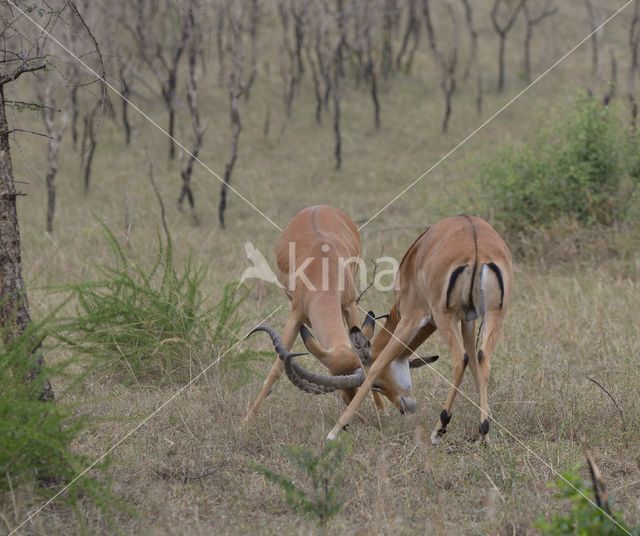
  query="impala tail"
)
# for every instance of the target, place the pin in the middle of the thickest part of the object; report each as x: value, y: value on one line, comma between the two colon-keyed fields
x: 475, y: 288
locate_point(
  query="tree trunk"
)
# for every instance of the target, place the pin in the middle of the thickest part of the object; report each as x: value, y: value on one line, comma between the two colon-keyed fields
x: 527, y: 53
x: 14, y: 307
x: 501, y: 51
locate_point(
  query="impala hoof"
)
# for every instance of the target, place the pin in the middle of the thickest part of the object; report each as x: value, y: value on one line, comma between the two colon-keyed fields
x: 333, y: 435
x: 436, y: 438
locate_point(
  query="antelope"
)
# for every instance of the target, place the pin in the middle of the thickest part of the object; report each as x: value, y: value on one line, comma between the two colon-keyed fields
x: 317, y: 258
x: 456, y: 271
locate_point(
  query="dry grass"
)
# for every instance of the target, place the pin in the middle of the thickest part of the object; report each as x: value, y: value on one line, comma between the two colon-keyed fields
x: 187, y: 470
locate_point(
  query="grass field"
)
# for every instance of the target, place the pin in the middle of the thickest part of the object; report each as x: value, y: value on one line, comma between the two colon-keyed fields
x: 573, y: 316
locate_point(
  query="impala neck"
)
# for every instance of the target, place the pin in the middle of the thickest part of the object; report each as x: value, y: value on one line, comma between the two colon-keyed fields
x: 325, y: 316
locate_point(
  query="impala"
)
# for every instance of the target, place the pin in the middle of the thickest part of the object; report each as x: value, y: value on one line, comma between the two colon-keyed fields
x: 317, y: 258
x: 456, y: 271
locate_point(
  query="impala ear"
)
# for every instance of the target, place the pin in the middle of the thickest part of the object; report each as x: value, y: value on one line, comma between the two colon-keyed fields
x: 369, y: 325
x: 311, y: 342
x: 360, y: 345
x: 422, y: 361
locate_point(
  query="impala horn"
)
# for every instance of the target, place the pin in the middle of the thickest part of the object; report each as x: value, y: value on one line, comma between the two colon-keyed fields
x: 300, y: 377
x: 347, y: 381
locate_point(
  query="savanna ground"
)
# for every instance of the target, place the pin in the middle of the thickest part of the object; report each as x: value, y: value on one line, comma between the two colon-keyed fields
x: 573, y: 315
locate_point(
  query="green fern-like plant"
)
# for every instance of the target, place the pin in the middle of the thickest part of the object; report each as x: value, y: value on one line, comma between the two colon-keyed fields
x: 583, y: 518
x: 36, y: 435
x: 319, y: 499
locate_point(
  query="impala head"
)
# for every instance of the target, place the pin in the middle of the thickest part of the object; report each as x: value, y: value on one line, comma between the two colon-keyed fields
x: 347, y: 359
x: 394, y: 381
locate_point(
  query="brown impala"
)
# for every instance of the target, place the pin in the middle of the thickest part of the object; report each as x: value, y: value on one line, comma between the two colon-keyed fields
x: 317, y: 257
x: 456, y: 271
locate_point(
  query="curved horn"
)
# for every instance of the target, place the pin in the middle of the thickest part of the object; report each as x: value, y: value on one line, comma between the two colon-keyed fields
x: 290, y: 366
x: 348, y: 381
x: 275, y: 338
x: 303, y: 379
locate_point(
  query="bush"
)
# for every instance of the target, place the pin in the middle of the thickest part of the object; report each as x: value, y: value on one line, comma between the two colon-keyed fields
x: 320, y: 501
x: 583, y: 518
x: 151, y: 324
x: 36, y: 435
x: 581, y: 168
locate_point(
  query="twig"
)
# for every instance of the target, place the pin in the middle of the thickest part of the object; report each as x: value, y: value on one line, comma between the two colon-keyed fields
x: 34, y: 105
x: 373, y: 279
x: 28, y: 132
x: 612, y: 399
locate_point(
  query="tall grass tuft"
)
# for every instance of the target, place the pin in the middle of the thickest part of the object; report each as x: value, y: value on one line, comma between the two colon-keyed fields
x: 151, y: 323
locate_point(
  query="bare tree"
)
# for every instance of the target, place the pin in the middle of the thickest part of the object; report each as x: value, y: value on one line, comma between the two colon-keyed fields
x: 503, y: 20
x: 254, y: 18
x: 389, y: 20
x: 473, y: 39
x: 292, y: 72
x: 610, y: 92
x: 336, y: 81
x: 447, y: 60
x: 411, y: 33
x: 593, y: 22
x: 193, y: 52
x: 634, y: 44
x: 533, y: 19
x: 54, y: 128
x: 236, y: 28
x: 220, y: 47
x: 125, y: 62
x: 364, y: 48
x: 19, y: 54
x: 160, y: 32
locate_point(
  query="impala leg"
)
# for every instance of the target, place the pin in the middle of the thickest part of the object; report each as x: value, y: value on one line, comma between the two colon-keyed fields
x: 448, y: 329
x: 288, y: 338
x: 469, y: 340
x: 397, y: 345
x: 377, y: 398
x: 490, y: 336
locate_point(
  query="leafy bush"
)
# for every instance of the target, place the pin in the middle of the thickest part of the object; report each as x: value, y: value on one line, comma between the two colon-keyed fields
x: 583, y: 518
x: 36, y: 435
x: 581, y: 167
x: 151, y: 323
x: 320, y: 502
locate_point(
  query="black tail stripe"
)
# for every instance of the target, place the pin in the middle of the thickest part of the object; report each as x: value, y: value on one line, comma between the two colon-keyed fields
x: 475, y: 259
x: 496, y: 270
x: 452, y: 280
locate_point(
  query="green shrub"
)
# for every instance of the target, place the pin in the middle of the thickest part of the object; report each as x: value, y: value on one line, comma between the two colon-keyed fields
x: 320, y: 500
x: 151, y: 324
x: 583, y: 519
x: 581, y: 167
x: 36, y: 435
